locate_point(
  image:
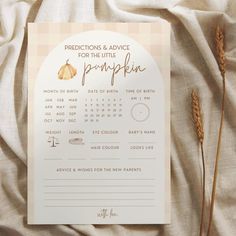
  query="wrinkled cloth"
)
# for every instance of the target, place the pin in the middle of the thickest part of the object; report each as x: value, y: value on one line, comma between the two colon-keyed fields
x: 193, y: 66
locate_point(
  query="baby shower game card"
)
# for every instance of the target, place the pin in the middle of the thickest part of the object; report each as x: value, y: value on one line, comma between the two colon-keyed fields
x: 98, y: 123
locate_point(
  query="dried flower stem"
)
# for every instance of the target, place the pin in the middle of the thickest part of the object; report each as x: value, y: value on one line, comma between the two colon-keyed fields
x: 203, y: 189
x: 221, y: 62
x: 197, y: 118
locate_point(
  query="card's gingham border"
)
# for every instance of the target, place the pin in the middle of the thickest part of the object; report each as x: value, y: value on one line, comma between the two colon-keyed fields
x: 43, y: 37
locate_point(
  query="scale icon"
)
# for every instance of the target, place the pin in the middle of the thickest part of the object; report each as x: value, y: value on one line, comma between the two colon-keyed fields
x: 53, y: 141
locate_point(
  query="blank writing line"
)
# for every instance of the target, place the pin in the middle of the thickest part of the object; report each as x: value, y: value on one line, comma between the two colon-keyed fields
x: 142, y: 158
x: 99, y: 199
x: 49, y: 186
x: 100, y: 206
x: 105, y: 158
x: 97, y: 179
x: 99, y: 192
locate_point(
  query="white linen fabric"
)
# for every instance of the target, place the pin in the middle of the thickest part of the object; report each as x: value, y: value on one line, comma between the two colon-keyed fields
x: 193, y: 66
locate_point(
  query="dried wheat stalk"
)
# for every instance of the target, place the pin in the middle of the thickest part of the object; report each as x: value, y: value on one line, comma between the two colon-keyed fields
x: 220, y: 53
x: 219, y: 40
x: 198, y: 122
x: 197, y: 117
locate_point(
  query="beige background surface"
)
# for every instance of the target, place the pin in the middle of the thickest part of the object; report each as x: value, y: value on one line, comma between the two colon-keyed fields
x: 193, y: 65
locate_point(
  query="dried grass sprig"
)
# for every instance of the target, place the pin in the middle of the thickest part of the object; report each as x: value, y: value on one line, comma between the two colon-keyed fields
x: 220, y: 52
x: 197, y: 117
x: 198, y: 122
x: 219, y: 41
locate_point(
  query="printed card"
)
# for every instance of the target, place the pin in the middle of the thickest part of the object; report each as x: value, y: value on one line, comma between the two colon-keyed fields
x: 98, y: 123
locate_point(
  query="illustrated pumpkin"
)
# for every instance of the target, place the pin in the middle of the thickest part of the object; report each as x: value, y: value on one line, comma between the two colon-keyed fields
x: 66, y: 72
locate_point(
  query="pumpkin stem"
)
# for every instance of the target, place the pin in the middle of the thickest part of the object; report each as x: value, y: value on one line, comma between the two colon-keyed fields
x: 67, y: 61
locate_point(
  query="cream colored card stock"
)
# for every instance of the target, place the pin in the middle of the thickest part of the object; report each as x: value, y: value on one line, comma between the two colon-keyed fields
x: 98, y: 123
